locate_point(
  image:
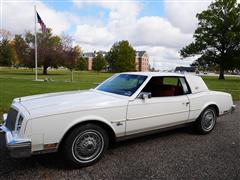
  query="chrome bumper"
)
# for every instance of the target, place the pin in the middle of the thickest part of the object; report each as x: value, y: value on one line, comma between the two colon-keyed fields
x: 16, y: 146
x: 233, y: 108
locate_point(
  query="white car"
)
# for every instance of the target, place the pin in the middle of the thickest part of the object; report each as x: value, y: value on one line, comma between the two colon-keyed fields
x: 82, y: 123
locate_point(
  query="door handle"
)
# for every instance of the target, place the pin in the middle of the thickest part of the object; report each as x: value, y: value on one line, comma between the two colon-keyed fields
x: 186, y: 103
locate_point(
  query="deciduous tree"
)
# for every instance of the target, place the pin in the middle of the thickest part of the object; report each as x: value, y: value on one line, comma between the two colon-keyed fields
x: 99, y: 62
x: 121, y: 57
x: 217, y: 37
x: 6, y: 53
x: 49, y: 49
x: 6, y: 49
x: 81, y: 63
x: 22, y: 50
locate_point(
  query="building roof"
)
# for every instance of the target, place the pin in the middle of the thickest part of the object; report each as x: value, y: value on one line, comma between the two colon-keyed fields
x: 88, y: 54
x: 102, y: 52
x: 93, y: 54
x: 140, y: 53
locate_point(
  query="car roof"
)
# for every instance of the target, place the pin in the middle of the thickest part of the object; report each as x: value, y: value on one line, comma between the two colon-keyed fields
x: 195, y: 82
x: 151, y: 74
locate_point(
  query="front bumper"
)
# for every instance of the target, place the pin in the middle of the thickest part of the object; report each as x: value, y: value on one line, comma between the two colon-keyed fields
x: 16, y: 146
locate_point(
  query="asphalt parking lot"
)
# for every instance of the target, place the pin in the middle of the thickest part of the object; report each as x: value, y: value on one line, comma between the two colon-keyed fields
x: 176, y: 154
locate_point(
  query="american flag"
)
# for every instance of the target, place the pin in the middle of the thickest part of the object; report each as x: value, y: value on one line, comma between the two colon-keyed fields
x: 43, y: 26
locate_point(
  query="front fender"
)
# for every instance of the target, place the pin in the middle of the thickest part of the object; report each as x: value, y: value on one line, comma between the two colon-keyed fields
x: 88, y: 119
x: 118, y: 127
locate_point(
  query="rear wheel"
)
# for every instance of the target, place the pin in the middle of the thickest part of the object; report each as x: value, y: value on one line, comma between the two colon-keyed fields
x: 85, y: 145
x: 207, y: 121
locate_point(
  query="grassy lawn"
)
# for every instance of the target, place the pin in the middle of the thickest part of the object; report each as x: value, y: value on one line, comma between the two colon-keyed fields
x: 230, y: 85
x: 16, y: 83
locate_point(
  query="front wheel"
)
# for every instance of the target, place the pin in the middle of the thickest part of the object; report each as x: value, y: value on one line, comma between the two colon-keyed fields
x: 207, y: 121
x: 85, y: 145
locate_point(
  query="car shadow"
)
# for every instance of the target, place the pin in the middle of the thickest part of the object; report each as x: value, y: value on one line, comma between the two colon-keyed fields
x: 56, y: 160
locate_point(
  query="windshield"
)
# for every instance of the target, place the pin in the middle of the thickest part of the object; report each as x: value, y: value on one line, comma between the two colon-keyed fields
x: 123, y: 84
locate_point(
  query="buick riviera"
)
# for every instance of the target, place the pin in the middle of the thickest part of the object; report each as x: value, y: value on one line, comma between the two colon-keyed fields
x: 81, y: 124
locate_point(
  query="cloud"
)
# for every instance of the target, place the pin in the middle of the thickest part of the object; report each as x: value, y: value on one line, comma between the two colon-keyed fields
x: 182, y: 14
x: 123, y: 23
x: 161, y: 37
x: 157, y: 31
x: 122, y: 15
x: 93, y: 35
x: 118, y: 25
x: 18, y: 17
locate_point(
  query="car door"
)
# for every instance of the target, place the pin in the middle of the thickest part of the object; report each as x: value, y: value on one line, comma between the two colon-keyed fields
x: 165, y: 108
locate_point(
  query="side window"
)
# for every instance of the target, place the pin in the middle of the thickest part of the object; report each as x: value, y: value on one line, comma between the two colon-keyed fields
x: 185, y: 86
x: 165, y: 86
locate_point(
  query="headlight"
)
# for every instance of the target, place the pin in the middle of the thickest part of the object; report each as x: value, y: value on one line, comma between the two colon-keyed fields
x: 19, y: 122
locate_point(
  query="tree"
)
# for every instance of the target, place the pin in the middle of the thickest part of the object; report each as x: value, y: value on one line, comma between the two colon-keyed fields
x: 81, y: 63
x: 121, y: 57
x: 22, y: 50
x: 4, y: 34
x: 15, y: 59
x: 6, y: 53
x: 99, y: 62
x: 204, y: 64
x: 70, y: 53
x: 50, y: 50
x: 70, y: 56
x: 6, y: 49
x: 217, y: 37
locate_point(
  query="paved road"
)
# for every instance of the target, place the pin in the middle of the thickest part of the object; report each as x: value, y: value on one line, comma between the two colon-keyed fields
x: 177, y: 154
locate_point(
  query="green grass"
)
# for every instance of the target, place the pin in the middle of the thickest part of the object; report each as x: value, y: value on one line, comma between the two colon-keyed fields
x: 16, y: 83
x: 230, y: 85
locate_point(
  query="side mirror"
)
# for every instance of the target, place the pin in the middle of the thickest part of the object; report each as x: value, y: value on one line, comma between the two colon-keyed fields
x: 145, y: 95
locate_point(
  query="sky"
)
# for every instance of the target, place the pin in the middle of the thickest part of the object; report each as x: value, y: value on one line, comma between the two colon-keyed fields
x: 160, y: 27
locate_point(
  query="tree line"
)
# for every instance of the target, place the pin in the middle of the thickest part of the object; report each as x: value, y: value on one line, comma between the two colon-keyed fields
x: 58, y: 51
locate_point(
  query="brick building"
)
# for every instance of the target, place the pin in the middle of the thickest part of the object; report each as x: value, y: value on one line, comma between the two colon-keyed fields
x: 89, y: 58
x: 141, y: 60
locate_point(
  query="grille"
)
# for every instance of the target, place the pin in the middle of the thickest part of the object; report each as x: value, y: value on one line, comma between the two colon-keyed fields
x: 11, y: 119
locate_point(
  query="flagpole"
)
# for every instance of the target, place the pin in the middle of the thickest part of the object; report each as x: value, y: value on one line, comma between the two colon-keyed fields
x: 36, y: 67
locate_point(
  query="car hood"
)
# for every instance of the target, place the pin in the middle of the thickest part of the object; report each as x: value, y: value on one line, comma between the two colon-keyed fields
x: 64, y: 102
